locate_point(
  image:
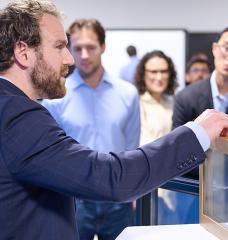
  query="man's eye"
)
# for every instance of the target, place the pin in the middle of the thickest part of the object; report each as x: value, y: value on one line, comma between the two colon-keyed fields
x: 91, y: 48
x: 77, y: 49
x: 60, y: 46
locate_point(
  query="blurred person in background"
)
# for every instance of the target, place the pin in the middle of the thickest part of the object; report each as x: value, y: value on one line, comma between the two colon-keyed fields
x: 209, y: 93
x: 194, y: 99
x: 128, y: 71
x: 156, y: 81
x: 101, y: 112
x: 198, y: 68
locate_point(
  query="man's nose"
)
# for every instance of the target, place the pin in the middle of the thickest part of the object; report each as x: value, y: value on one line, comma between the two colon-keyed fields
x: 68, y: 58
x: 84, y: 53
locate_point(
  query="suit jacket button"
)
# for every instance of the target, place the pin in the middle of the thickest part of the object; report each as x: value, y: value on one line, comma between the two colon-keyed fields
x: 179, y: 166
x: 190, y: 161
x: 193, y: 157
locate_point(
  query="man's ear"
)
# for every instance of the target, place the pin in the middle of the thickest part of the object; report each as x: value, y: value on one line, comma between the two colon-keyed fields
x: 214, y: 49
x: 23, y: 54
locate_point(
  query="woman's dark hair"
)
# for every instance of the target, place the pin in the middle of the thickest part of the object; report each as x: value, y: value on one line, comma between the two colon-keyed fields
x: 140, y: 72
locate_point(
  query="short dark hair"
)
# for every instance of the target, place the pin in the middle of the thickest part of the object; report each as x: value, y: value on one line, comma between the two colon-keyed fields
x: 19, y: 21
x: 140, y: 72
x: 221, y: 33
x: 194, y: 60
x: 93, y: 24
x: 131, y: 50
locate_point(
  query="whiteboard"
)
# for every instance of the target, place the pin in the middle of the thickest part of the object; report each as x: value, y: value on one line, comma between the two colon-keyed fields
x: 171, y: 42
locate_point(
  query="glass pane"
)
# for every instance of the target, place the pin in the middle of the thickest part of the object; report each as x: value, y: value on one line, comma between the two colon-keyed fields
x: 171, y: 209
x: 216, y: 183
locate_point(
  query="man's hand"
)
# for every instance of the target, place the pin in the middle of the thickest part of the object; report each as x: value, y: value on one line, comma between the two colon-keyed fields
x: 214, y: 123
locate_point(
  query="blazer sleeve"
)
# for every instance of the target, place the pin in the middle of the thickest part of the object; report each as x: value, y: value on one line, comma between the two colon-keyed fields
x: 36, y: 151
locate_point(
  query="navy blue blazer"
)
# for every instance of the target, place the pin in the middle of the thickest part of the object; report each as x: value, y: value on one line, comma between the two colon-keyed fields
x: 42, y: 169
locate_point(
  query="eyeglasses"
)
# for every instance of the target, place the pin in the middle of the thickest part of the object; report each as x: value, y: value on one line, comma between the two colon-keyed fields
x: 199, y: 70
x: 223, y: 49
x: 154, y: 72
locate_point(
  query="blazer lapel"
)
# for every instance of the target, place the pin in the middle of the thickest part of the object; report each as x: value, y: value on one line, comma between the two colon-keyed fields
x: 205, y: 99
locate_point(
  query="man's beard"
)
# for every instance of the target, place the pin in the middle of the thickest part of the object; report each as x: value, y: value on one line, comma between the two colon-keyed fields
x: 46, y: 81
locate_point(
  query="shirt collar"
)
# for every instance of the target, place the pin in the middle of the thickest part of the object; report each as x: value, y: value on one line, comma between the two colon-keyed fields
x: 147, y: 97
x: 75, y: 80
x: 215, y: 91
x: 7, y: 79
x: 214, y: 86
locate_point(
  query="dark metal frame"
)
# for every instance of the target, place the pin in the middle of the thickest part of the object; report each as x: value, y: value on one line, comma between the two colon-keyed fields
x: 149, y: 203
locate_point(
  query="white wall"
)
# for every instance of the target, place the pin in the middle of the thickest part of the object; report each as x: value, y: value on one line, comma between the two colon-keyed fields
x: 115, y: 57
x: 193, y: 15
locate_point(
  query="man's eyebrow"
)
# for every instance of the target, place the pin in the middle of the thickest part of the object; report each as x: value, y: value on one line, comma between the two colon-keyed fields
x: 61, y: 42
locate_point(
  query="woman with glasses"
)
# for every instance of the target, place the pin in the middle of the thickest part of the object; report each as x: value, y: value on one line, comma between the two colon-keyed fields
x: 156, y: 80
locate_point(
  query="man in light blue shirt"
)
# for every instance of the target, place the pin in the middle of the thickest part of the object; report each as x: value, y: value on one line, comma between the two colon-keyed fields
x: 102, y: 113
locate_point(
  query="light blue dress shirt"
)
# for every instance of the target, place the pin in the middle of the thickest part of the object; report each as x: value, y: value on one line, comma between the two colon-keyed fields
x: 220, y: 102
x: 105, y: 118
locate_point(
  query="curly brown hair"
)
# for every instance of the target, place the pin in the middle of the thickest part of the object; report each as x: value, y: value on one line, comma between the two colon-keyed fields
x: 19, y: 21
x: 140, y: 72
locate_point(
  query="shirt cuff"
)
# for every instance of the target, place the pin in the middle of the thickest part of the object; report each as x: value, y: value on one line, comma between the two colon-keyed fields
x: 201, y: 135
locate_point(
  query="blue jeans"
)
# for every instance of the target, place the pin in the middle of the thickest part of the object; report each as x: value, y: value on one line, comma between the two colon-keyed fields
x: 107, y: 220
